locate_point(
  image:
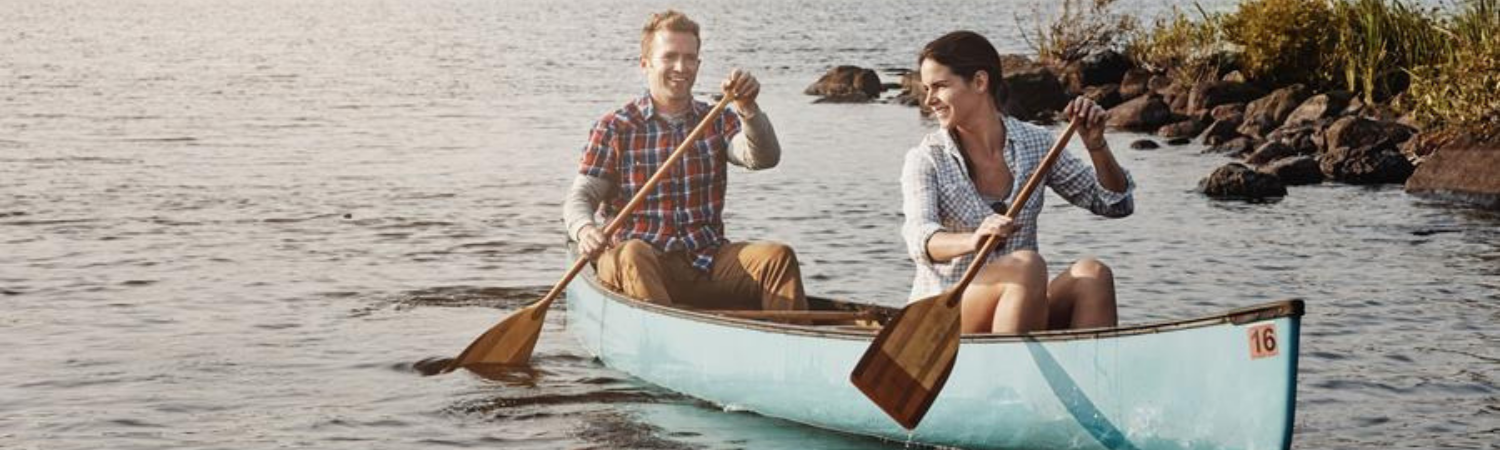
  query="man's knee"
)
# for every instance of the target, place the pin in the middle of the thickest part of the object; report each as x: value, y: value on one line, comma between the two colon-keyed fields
x: 635, y: 250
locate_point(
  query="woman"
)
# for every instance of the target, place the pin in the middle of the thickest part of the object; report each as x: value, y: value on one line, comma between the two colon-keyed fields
x: 958, y: 182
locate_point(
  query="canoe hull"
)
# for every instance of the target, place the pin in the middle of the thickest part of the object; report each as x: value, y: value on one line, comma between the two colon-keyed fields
x: 1183, y: 386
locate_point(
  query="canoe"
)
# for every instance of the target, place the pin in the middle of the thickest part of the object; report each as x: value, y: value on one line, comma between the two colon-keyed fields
x: 1226, y: 381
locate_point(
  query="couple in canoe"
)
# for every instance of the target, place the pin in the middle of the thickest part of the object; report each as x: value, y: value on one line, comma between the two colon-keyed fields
x: 956, y: 183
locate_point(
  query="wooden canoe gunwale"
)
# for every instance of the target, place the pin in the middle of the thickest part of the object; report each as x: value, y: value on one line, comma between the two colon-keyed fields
x: 1264, y: 311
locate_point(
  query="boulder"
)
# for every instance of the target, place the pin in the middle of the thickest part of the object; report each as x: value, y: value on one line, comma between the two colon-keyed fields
x: 1355, y: 131
x: 846, y: 84
x: 1234, y: 76
x: 1107, y: 96
x: 1185, y: 128
x: 1134, y: 83
x: 1096, y: 69
x: 1376, y: 163
x: 1221, y: 131
x: 1268, y: 152
x: 913, y: 93
x: 1235, y: 180
x: 1423, y: 144
x: 1268, y: 113
x: 1158, y: 84
x: 1231, y: 110
x: 1144, y: 113
x: 1295, y: 171
x: 1144, y: 144
x: 1207, y: 95
x: 1319, y: 107
x: 1463, y: 170
x: 1236, y: 147
x: 1303, y: 139
x: 1179, y: 141
x: 1035, y: 94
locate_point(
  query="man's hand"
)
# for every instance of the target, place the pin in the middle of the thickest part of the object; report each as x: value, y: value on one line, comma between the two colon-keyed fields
x: 745, y: 88
x: 591, y: 242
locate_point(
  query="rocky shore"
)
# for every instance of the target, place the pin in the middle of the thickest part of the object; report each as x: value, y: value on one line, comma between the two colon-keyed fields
x: 1279, y: 137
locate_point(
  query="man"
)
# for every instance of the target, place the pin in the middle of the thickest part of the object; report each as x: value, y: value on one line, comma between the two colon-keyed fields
x: 672, y: 249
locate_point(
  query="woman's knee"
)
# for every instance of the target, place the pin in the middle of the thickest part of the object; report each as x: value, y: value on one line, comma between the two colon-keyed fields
x: 1024, y: 267
x: 1091, y: 268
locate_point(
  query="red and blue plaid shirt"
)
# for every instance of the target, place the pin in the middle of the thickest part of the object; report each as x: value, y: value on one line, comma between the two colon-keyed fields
x: 684, y: 211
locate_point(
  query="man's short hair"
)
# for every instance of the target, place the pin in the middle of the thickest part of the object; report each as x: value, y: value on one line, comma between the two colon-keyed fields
x: 669, y: 20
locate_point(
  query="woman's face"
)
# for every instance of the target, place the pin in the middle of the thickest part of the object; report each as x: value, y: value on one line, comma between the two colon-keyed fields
x: 952, y: 99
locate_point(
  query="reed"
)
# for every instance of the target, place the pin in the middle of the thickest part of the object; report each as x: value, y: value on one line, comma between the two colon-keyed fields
x: 1081, y: 27
x: 1460, y: 87
x: 1177, y: 44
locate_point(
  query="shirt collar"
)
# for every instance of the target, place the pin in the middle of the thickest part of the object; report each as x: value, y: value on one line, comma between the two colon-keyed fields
x: 1011, y: 127
x: 648, y: 108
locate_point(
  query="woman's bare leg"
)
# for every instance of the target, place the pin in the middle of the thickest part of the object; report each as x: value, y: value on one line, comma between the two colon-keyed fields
x: 1008, y: 296
x: 1083, y: 296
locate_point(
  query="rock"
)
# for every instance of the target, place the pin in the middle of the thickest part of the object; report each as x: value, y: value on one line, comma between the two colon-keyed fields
x: 1016, y: 63
x: 1035, y: 94
x: 1319, y: 107
x: 1377, y: 163
x: 1107, y: 96
x: 1360, y: 132
x: 1421, y: 145
x: 1221, y: 131
x: 1295, y: 171
x: 1144, y: 113
x: 1179, y: 141
x: 1158, y: 84
x: 913, y: 93
x: 1269, y: 151
x: 846, y: 84
x: 1461, y: 169
x: 1231, y: 110
x: 1095, y: 69
x: 1134, y: 84
x: 1234, y: 76
x: 1303, y: 139
x: 1186, y: 128
x: 1234, y: 147
x: 1206, y: 96
x: 1144, y: 144
x: 1267, y: 113
x: 1235, y: 180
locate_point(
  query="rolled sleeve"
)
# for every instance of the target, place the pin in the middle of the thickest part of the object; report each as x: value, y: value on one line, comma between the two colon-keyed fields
x: 919, y: 193
x: 1078, y: 184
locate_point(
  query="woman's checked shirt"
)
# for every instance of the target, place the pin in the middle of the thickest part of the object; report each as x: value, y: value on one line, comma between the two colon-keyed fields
x: 937, y: 195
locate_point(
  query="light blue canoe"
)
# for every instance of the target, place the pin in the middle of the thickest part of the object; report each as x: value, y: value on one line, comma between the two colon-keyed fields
x: 1221, y: 382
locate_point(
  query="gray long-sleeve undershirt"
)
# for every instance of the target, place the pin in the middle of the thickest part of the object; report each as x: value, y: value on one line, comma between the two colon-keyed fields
x: 755, y: 148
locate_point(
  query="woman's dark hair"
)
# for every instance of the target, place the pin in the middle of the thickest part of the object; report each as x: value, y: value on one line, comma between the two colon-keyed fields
x: 967, y: 53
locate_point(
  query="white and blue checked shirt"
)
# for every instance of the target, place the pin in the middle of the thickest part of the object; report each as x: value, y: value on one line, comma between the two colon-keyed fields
x: 937, y: 195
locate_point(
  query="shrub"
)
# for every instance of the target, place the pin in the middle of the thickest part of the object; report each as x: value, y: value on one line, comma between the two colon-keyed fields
x: 1378, y: 40
x: 1460, y: 89
x: 1188, y: 48
x: 1081, y: 27
x: 1283, y: 41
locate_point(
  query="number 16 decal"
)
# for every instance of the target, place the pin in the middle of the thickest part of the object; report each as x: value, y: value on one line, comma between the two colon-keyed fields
x: 1263, y: 341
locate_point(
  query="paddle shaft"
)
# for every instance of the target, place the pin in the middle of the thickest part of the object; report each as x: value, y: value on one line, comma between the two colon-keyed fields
x: 635, y: 202
x: 1032, y: 183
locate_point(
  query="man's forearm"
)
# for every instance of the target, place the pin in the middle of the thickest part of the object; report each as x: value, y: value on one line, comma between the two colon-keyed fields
x: 756, y: 147
x: 582, y: 201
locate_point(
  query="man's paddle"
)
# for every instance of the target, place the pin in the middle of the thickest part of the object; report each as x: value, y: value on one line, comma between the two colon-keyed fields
x: 907, y: 365
x: 510, y: 342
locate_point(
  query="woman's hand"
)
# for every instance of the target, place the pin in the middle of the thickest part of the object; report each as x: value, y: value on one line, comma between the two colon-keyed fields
x: 994, y: 225
x: 1091, y: 120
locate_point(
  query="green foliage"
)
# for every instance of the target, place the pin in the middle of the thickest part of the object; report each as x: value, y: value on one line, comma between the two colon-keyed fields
x: 1179, y: 45
x: 1378, y: 40
x: 1283, y: 41
x: 1461, y: 87
x: 1081, y: 27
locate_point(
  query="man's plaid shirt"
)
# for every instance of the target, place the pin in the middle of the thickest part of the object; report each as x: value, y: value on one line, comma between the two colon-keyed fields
x: 937, y: 195
x: 684, y: 210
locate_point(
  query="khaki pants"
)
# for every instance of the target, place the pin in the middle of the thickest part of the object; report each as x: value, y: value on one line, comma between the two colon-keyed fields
x: 744, y: 276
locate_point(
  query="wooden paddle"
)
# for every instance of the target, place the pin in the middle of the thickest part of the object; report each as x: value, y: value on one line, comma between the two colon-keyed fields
x: 907, y: 365
x: 511, y: 341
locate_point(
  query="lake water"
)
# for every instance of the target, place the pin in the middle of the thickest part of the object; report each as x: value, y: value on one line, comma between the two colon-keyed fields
x: 242, y: 224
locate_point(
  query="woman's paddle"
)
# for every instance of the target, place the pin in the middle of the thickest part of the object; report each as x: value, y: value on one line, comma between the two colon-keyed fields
x: 907, y: 365
x: 510, y: 342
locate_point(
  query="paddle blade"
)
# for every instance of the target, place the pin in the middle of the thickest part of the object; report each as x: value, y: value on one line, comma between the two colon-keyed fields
x: 507, y: 343
x: 907, y: 365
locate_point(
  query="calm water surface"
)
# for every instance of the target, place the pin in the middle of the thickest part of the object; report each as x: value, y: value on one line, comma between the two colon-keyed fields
x: 239, y: 224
